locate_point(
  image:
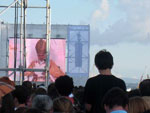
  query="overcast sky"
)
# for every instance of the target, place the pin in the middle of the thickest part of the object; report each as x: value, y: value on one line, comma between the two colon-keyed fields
x: 120, y: 26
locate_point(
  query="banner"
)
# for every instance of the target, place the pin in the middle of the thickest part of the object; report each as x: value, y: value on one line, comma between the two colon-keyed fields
x: 78, y: 44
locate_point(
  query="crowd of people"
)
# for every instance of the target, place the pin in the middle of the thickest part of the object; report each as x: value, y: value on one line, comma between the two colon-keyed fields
x: 104, y: 93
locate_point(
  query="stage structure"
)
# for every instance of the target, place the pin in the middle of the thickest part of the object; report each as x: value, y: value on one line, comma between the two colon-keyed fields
x: 77, y: 46
x: 59, y: 32
x: 20, y: 28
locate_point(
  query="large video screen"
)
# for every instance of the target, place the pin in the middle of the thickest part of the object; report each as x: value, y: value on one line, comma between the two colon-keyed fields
x: 36, y: 58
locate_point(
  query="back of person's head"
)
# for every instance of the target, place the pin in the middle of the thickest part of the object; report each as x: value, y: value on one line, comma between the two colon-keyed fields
x: 52, y: 91
x: 32, y: 110
x: 144, y: 87
x: 64, y: 85
x: 40, y: 91
x: 43, y: 103
x: 7, y: 104
x: 137, y: 105
x: 62, y: 104
x: 21, y: 110
x: 115, y: 97
x: 104, y: 60
x: 147, y: 111
x: 27, y: 84
x: 21, y: 94
x: 134, y: 92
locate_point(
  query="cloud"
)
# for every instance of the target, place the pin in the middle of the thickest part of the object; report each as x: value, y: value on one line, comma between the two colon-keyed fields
x: 133, y: 27
x: 101, y: 13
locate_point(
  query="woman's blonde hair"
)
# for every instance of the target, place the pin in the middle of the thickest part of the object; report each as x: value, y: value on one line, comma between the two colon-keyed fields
x: 137, y: 105
x: 147, y: 100
x: 62, y: 104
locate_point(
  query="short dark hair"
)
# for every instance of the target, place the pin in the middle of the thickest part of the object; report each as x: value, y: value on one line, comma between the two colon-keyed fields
x: 27, y: 84
x: 7, y: 104
x: 133, y: 93
x: 32, y: 110
x: 147, y: 111
x: 64, y: 85
x: 115, y: 96
x: 40, y: 91
x: 104, y: 60
x: 145, y: 87
x: 21, y: 93
x: 52, y: 91
x: 21, y: 110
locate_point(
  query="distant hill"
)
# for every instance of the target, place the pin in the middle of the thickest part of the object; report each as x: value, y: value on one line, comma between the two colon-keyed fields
x: 81, y: 80
x: 130, y: 80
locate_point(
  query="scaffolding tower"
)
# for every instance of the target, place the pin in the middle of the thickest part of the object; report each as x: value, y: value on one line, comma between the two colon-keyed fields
x: 22, y: 67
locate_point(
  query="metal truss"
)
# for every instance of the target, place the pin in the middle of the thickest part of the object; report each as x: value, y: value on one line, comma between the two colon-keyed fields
x: 22, y: 68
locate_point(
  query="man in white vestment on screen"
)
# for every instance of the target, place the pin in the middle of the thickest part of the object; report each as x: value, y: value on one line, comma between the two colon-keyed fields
x: 41, y: 63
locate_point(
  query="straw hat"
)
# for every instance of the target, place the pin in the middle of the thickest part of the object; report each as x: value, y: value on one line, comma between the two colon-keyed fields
x: 7, y: 80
